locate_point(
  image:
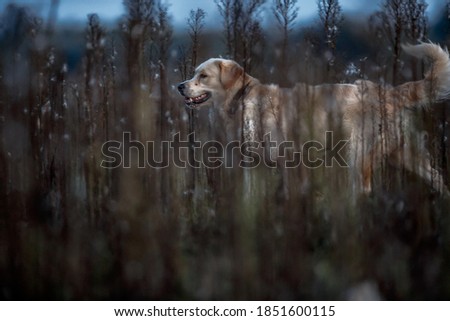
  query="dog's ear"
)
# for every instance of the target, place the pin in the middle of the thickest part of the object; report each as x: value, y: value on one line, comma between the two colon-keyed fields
x: 230, y: 72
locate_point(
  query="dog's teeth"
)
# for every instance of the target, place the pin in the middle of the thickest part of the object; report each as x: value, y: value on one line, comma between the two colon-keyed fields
x: 195, y: 100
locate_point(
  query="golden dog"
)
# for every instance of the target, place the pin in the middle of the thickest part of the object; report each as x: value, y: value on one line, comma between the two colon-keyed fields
x: 376, y: 119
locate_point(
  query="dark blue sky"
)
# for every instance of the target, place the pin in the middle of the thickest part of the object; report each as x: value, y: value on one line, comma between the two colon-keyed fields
x: 109, y: 10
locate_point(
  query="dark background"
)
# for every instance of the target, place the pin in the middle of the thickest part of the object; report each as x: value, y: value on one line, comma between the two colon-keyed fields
x: 70, y: 229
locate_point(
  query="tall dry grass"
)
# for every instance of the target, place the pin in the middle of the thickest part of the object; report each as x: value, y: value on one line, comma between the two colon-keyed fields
x: 70, y: 229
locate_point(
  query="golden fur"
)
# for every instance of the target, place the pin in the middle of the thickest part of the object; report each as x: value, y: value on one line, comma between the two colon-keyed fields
x: 374, y: 118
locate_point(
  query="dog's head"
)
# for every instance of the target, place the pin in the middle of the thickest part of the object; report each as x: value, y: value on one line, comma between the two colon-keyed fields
x: 213, y: 81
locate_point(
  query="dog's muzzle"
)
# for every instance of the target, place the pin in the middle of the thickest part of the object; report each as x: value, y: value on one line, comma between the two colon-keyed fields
x: 192, y: 102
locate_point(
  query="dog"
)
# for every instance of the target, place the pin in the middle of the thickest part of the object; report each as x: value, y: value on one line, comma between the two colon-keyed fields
x: 376, y: 119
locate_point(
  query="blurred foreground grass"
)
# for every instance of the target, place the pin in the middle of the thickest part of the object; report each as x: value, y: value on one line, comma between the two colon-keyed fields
x: 70, y: 229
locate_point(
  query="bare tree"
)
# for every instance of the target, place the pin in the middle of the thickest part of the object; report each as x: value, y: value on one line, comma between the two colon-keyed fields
x: 94, y: 79
x: 196, y: 22
x: 253, y: 38
x: 417, y: 26
x: 94, y: 110
x: 188, y: 56
x: 394, y: 23
x: 148, y: 36
x: 224, y: 7
x: 416, y: 20
x: 163, y: 39
x: 195, y: 26
x: 183, y: 62
x: 140, y: 22
x: 243, y: 32
x: 285, y: 12
x: 396, y: 20
x: 330, y: 14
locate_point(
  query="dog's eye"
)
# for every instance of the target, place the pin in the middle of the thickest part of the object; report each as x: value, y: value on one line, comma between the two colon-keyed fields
x: 203, y: 76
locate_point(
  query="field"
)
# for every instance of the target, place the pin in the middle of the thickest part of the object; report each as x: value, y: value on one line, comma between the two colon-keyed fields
x: 71, y: 229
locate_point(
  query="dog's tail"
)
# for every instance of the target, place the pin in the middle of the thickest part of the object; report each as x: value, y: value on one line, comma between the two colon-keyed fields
x: 436, y: 84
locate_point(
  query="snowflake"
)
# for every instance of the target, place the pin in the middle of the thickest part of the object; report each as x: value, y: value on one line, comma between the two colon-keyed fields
x: 352, y: 70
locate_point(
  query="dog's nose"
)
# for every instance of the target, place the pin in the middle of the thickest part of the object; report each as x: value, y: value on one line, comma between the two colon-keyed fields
x: 181, y: 88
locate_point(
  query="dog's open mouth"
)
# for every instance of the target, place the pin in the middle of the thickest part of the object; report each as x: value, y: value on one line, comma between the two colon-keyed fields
x: 193, y: 101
